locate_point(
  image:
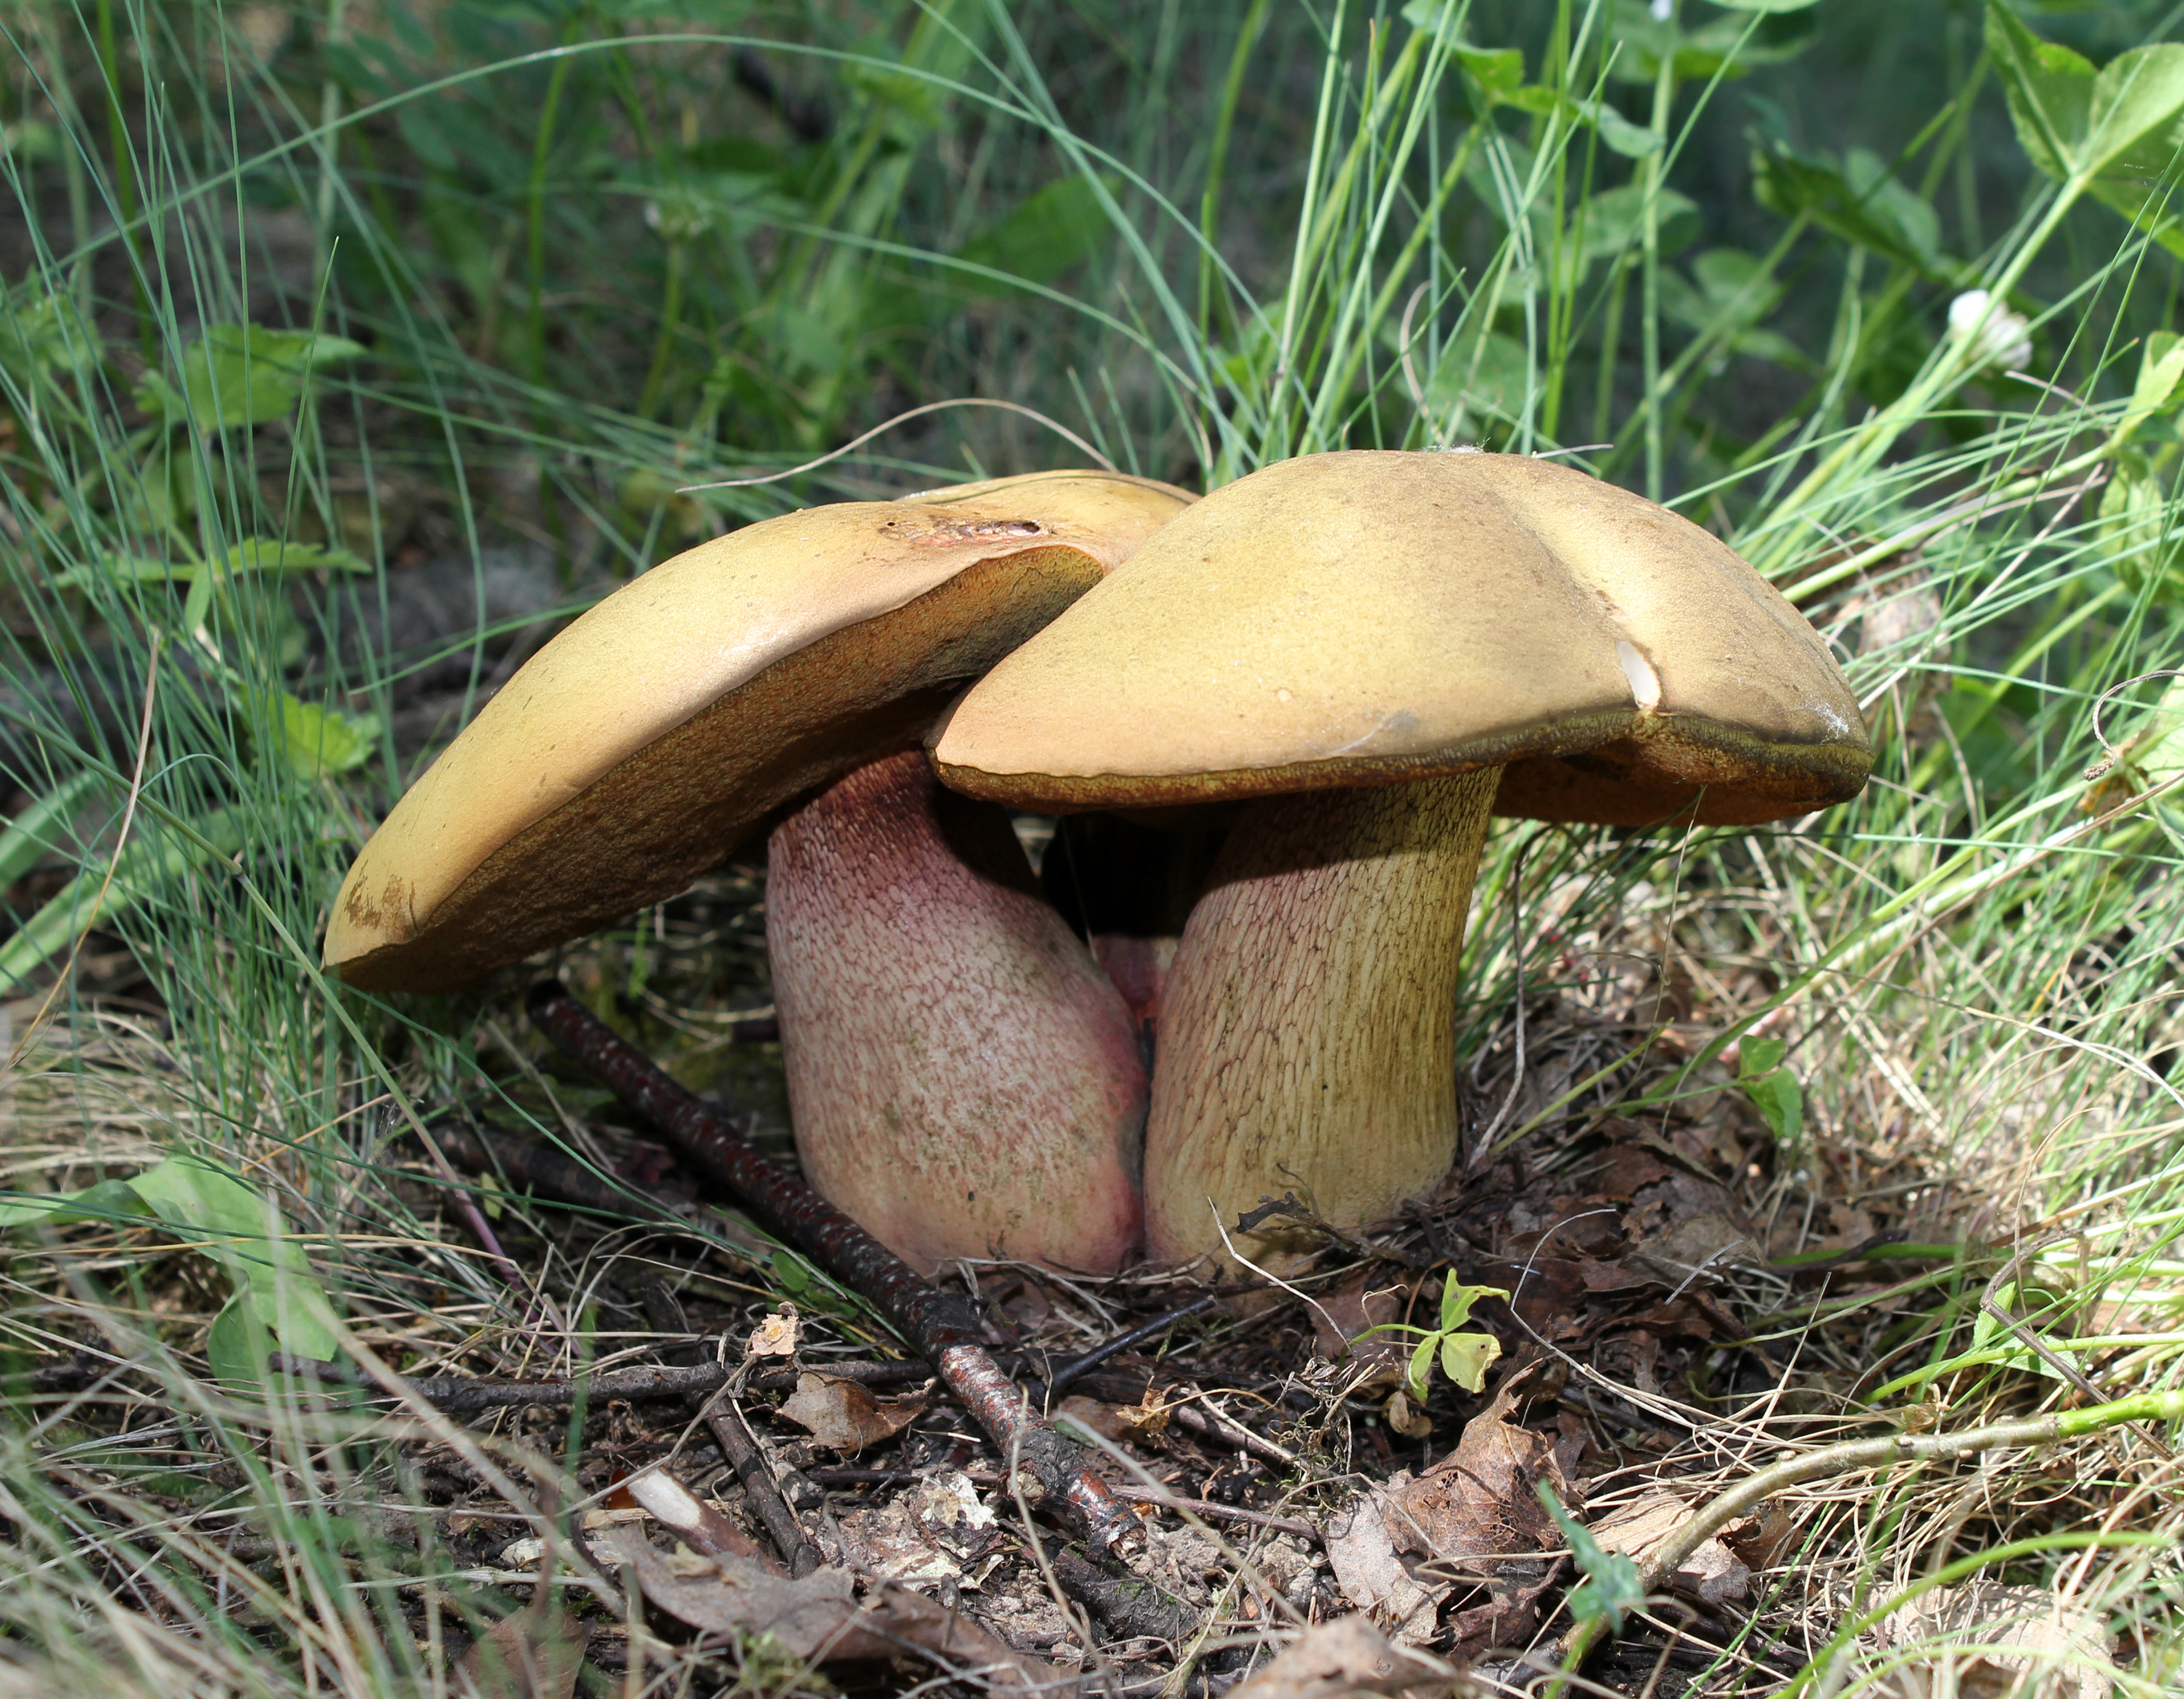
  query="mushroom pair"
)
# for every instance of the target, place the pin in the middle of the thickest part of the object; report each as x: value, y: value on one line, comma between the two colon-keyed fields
x: 963, y: 1079
x: 1371, y: 652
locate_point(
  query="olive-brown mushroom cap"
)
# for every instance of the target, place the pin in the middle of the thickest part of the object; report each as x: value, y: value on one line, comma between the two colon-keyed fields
x: 676, y: 718
x: 1369, y: 617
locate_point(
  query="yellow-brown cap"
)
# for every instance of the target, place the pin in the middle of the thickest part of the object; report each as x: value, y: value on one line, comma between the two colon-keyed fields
x: 1365, y: 618
x: 645, y: 742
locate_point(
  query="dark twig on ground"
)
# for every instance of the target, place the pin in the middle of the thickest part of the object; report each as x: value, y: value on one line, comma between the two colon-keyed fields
x: 1071, y: 1371
x: 764, y: 1491
x: 1128, y: 1608
x: 533, y: 1165
x: 940, y: 1326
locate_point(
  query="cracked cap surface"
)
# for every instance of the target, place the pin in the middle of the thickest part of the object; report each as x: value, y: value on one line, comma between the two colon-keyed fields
x: 1369, y: 617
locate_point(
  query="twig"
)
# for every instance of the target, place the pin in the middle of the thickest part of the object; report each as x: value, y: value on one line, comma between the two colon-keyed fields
x: 1854, y: 1455
x: 1071, y: 1371
x: 1213, y: 1512
x: 940, y: 1327
x: 740, y: 1449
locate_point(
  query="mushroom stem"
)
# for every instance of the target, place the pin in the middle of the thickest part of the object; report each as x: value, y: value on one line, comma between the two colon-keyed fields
x: 964, y: 1080
x: 1308, y: 1025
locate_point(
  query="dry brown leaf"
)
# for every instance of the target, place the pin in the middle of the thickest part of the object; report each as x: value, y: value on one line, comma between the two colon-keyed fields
x: 1482, y: 1500
x: 1412, y: 1424
x: 818, y: 1618
x: 1714, y: 1574
x: 2038, y: 1645
x: 775, y: 1336
x: 1362, y: 1550
x: 844, y: 1417
x: 534, y: 1654
x: 1147, y: 1419
x: 1701, y: 1247
x: 1348, y: 1656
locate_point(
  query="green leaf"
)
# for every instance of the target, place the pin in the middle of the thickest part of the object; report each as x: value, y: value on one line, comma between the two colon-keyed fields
x: 1488, y: 374
x: 309, y: 740
x: 106, y: 1201
x: 1043, y: 235
x: 1613, y: 222
x: 1780, y: 1102
x: 237, y: 376
x: 1421, y: 1367
x: 1457, y: 1300
x: 2114, y: 131
x: 2160, y: 368
x: 252, y: 554
x: 1758, y: 1056
x: 44, y: 333
x: 145, y: 870
x: 268, y: 555
x: 2134, y: 533
x: 1733, y: 290
x: 1730, y: 46
x: 198, y: 1201
x: 1618, y: 133
x: 789, y: 1274
x: 196, y: 1198
x: 1465, y: 1357
x: 39, y: 829
x: 1612, y: 1584
x: 1858, y: 200
x: 236, y: 1343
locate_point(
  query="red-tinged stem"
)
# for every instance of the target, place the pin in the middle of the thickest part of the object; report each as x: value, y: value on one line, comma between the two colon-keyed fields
x: 964, y: 1080
x: 938, y: 1325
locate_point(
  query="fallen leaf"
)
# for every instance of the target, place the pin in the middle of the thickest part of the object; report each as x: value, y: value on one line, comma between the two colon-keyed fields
x: 1763, y: 1541
x: 890, y: 1542
x: 775, y: 1336
x: 1348, y: 1656
x: 1621, y: 1170
x: 1361, y: 1550
x: 1702, y: 1247
x: 1481, y: 1500
x: 1714, y: 1574
x: 818, y: 1618
x: 1412, y: 1424
x: 2036, y: 1646
x: 534, y: 1654
x: 1146, y: 1419
x: 844, y: 1417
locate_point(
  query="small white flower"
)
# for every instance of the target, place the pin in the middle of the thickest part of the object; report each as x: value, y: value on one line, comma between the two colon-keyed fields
x: 1663, y: 10
x: 2004, y: 340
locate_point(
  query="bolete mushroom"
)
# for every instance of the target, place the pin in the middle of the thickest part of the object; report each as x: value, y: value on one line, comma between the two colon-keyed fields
x: 701, y: 703
x: 1379, y: 649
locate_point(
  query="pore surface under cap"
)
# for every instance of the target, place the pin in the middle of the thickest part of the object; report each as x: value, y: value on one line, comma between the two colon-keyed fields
x: 1364, y: 617
x: 662, y: 728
